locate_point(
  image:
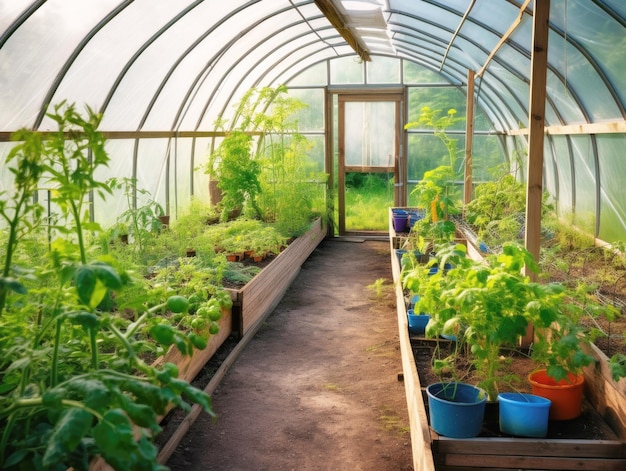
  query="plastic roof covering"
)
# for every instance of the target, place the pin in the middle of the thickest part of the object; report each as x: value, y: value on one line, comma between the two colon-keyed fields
x: 175, y: 66
x: 158, y: 65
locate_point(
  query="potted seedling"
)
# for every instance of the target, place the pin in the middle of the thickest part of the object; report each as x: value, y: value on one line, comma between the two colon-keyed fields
x: 489, y: 306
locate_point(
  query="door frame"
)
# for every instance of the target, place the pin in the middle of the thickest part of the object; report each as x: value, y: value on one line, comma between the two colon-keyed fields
x: 337, y: 152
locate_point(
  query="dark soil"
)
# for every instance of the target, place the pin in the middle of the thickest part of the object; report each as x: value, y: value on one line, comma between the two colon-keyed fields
x: 589, y: 426
x: 317, y: 388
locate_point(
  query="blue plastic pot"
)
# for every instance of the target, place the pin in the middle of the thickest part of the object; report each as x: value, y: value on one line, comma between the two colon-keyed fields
x: 414, y: 300
x: 417, y: 322
x: 456, y: 409
x: 399, y: 254
x: 524, y: 415
x: 414, y: 216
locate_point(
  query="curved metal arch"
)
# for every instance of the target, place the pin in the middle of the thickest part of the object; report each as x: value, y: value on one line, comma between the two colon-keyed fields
x: 75, y: 53
x: 215, y: 57
x: 202, y: 73
x: 494, y: 92
x: 521, y: 77
x: 202, y: 76
x: 24, y: 16
x: 524, y: 52
x: 234, y: 88
x: 609, y: 11
x: 145, y: 46
x: 210, y: 99
x: 597, y: 68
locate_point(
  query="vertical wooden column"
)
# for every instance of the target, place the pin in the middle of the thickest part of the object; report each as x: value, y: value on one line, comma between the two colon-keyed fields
x: 536, y: 125
x: 329, y: 164
x: 469, y: 137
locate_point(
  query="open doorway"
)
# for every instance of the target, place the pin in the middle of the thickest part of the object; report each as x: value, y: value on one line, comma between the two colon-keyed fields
x: 371, y: 169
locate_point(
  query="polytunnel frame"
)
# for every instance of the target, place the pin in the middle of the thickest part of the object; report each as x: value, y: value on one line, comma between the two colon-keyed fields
x: 190, y: 7
x: 496, y: 110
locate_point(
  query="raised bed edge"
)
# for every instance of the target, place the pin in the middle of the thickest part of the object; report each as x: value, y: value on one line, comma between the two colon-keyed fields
x: 423, y: 445
x: 263, y: 293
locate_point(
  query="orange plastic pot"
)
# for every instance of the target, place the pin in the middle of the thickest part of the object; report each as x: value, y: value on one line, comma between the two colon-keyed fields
x: 566, y: 395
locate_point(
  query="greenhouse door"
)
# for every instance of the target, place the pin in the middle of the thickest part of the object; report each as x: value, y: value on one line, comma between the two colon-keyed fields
x: 369, y: 170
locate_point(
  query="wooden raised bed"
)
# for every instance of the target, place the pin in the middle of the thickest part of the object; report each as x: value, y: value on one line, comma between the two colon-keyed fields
x: 261, y: 294
x: 251, y: 304
x: 605, y: 405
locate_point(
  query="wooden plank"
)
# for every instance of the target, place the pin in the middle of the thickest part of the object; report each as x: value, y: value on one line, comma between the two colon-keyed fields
x: 420, y: 431
x: 265, y: 290
x: 608, y: 396
x: 536, y: 118
x: 533, y: 462
x: 538, y: 73
x: 505, y: 37
x: 536, y: 447
x: 469, y: 138
x: 336, y: 19
x: 612, y: 127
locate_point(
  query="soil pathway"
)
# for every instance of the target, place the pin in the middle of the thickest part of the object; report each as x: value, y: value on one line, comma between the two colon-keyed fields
x: 317, y: 388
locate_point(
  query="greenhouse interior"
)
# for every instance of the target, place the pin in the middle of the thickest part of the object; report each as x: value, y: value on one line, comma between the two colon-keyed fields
x: 157, y: 157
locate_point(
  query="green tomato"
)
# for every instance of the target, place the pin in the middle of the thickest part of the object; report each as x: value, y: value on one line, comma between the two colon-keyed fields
x: 178, y: 304
x: 203, y: 311
x: 215, y: 313
x: 214, y: 328
x: 198, y: 323
x: 198, y: 341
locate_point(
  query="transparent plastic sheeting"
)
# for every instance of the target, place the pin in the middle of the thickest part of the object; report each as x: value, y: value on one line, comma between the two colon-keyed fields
x: 176, y: 66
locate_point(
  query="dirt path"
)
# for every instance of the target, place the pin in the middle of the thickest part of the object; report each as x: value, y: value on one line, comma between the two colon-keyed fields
x: 317, y: 388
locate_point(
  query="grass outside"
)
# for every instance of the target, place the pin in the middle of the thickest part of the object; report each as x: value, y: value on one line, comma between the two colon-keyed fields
x: 368, y: 202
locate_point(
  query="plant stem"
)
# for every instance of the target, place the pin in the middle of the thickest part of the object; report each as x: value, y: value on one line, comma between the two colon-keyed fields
x: 55, y: 356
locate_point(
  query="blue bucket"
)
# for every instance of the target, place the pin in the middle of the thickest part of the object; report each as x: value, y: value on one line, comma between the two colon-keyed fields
x: 524, y: 415
x: 457, y: 410
x: 417, y: 322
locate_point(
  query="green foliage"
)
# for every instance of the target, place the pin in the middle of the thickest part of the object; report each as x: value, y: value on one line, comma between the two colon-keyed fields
x: 436, y: 193
x: 489, y: 307
x: 498, y: 210
x: 438, y: 199
x: 73, y: 383
x: 617, y: 365
x: 431, y: 119
x: 140, y: 222
x: 273, y: 178
x: 237, y: 172
x: 378, y: 288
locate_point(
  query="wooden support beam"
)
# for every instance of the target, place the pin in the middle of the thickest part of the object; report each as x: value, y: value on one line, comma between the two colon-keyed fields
x: 469, y: 137
x: 330, y: 11
x: 536, y: 119
x: 612, y: 127
x: 504, y: 38
x: 468, y: 10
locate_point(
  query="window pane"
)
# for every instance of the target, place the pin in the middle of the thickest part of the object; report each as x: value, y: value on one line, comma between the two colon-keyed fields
x: 383, y: 70
x: 612, y: 169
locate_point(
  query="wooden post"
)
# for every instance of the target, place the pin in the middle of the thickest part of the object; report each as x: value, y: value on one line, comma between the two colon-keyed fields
x: 536, y: 125
x: 469, y: 137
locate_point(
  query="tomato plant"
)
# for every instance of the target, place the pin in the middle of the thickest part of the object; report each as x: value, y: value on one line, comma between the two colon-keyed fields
x: 73, y: 382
